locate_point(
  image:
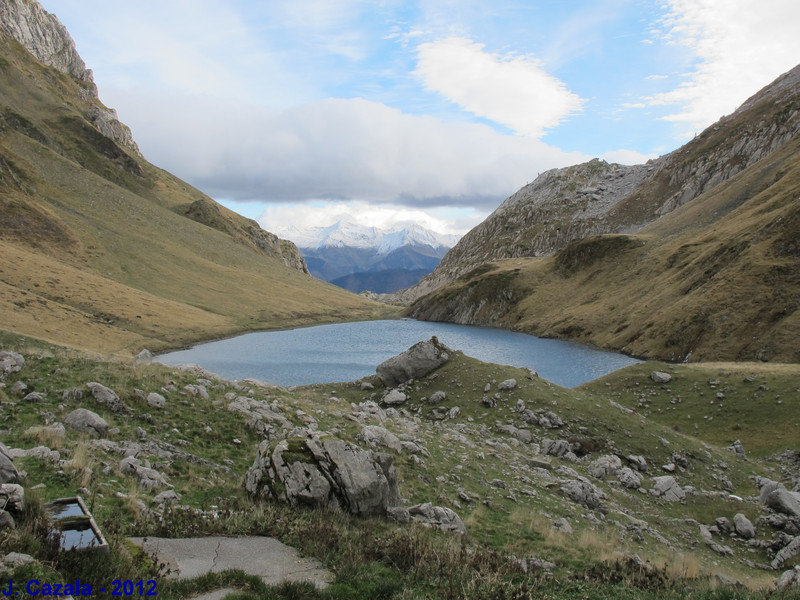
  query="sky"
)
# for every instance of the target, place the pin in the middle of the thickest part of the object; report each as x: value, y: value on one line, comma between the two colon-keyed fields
x: 299, y: 113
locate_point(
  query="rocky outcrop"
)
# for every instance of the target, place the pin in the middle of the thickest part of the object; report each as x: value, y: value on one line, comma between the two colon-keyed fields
x: 10, y: 362
x: 593, y: 198
x: 324, y: 471
x: 44, y: 36
x: 418, y: 361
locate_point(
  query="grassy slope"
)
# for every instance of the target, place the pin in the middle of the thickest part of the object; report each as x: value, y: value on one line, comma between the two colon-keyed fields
x: 718, y: 279
x: 96, y: 251
x: 370, y: 554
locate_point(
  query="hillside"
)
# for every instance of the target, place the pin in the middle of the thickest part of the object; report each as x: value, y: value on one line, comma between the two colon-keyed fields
x: 103, y: 251
x: 625, y: 487
x: 563, y: 205
x: 714, y: 278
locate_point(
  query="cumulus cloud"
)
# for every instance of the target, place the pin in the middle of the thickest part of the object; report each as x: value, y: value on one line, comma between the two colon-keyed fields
x: 512, y: 90
x: 740, y: 47
x: 333, y: 149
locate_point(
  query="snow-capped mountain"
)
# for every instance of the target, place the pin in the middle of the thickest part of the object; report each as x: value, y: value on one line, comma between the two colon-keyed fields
x: 358, y: 257
x: 346, y: 233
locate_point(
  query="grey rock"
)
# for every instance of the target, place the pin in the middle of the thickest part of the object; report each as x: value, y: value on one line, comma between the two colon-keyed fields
x: 737, y: 448
x: 667, y: 488
x: 144, y: 357
x: 34, y: 397
x: 724, y: 526
x: 12, y: 498
x: 507, y: 385
x: 325, y: 472
x: 10, y: 362
x: 557, y: 448
x: 8, y: 472
x: 563, y: 526
x: 436, y: 397
x: 375, y: 435
x: 54, y: 430
x: 629, y: 478
x: 18, y: 387
x: 605, y: 465
x: 638, y: 462
x: 106, y: 396
x: 437, y: 516
x: 660, y: 377
x: 453, y: 412
x: 18, y: 559
x: 6, y: 521
x: 167, y: 497
x: 789, y: 551
x: 781, y: 500
x: 366, y: 386
x: 744, y: 527
x: 259, y: 410
x: 584, y: 493
x: 789, y: 579
x: 148, y: 478
x: 394, y: 398
x: 416, y: 362
x: 156, y: 400
x: 86, y: 421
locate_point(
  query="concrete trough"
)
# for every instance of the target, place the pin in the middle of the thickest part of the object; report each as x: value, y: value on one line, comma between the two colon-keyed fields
x: 75, y: 526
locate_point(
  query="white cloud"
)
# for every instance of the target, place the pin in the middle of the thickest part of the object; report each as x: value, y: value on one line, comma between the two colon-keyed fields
x: 514, y: 91
x: 280, y: 218
x: 740, y: 46
x: 333, y: 149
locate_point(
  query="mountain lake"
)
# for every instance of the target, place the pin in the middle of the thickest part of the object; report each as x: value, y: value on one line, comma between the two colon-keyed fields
x: 350, y: 351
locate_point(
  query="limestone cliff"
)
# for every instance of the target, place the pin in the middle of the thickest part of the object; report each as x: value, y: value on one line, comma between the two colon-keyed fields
x: 564, y: 205
x: 46, y: 38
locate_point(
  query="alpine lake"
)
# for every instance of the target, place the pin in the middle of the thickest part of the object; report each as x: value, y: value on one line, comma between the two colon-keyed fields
x: 350, y: 351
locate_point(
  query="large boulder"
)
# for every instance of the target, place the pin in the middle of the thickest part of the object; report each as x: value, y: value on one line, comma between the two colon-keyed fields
x: 86, y: 421
x: 8, y: 472
x: 106, y: 396
x: 325, y: 471
x: 10, y: 362
x: 781, y: 500
x: 429, y: 515
x: 418, y: 361
x: 667, y: 487
x: 584, y: 493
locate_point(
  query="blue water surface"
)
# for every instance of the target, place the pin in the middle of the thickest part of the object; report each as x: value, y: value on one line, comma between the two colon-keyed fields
x: 349, y: 351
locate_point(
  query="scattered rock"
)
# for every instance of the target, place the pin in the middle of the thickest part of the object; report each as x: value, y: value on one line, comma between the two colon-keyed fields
x: 144, y: 357
x: 34, y: 397
x: 507, y: 385
x: 17, y: 559
x: 86, y: 421
x: 12, y: 498
x: 638, y: 462
x: 431, y: 516
x: 629, y: 478
x: 394, y: 398
x: 605, y: 465
x: 436, y: 397
x: 6, y: 521
x: 789, y: 579
x: 106, y: 396
x: 10, y: 362
x: 8, y: 472
x: 148, y: 478
x: 366, y: 386
x: 416, y: 362
x: 737, y: 448
x: 583, y: 493
x: 156, y: 400
x: 660, y: 377
x: 325, y: 471
x: 782, y: 500
x: 167, y: 497
x: 375, y: 435
x: 667, y: 488
x: 54, y: 430
x: 563, y: 526
x: 557, y: 448
x: 18, y: 387
x: 744, y: 527
x: 789, y: 551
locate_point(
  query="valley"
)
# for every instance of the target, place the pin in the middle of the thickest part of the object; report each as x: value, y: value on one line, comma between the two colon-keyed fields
x: 439, y: 475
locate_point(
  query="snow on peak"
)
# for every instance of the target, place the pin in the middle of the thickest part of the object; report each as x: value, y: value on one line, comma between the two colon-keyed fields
x: 346, y: 233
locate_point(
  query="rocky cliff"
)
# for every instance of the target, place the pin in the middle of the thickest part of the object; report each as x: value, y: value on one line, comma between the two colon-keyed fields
x: 44, y: 36
x: 563, y: 205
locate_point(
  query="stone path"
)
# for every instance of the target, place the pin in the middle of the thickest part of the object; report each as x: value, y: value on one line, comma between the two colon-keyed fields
x: 263, y: 557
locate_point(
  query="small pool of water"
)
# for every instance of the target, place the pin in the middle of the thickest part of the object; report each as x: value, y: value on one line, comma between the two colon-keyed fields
x: 66, y: 509
x: 350, y: 351
x: 78, y: 538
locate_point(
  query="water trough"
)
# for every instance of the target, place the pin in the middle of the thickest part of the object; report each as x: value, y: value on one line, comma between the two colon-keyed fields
x: 75, y: 526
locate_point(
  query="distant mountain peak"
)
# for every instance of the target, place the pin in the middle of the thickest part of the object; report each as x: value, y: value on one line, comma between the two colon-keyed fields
x: 347, y: 233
